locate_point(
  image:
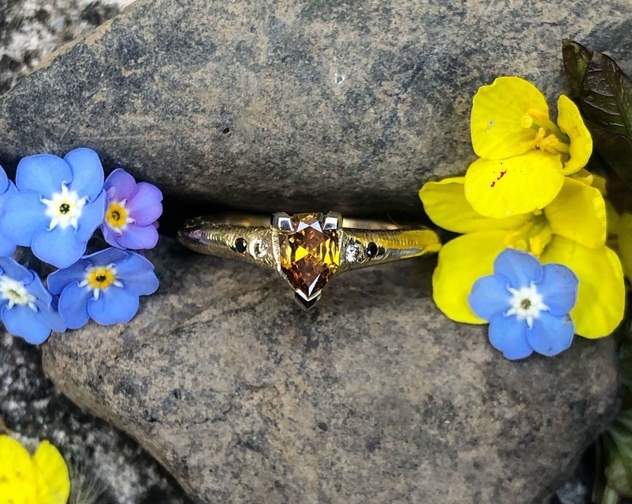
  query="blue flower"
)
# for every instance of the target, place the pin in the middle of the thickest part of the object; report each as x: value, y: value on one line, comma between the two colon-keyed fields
x: 7, y: 188
x: 132, y: 212
x: 58, y: 206
x: 27, y: 309
x: 527, y: 305
x: 104, y: 286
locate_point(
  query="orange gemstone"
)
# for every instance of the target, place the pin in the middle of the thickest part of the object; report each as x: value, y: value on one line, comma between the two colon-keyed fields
x: 309, y: 255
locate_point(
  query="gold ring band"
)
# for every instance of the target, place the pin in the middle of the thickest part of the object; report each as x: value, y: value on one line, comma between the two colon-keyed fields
x: 306, y: 249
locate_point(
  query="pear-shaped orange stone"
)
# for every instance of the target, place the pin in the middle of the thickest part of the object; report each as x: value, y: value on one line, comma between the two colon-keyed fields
x: 309, y: 255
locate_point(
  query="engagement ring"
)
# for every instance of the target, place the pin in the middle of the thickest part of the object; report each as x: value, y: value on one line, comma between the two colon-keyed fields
x: 306, y: 249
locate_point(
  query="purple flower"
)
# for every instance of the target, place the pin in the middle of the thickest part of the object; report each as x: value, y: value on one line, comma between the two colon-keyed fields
x: 527, y: 305
x: 27, y: 309
x: 58, y: 206
x: 104, y: 286
x: 7, y: 188
x: 132, y: 212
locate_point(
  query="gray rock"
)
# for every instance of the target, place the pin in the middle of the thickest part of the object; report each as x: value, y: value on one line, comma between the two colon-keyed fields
x: 301, y: 106
x: 102, y: 459
x: 30, y: 30
x: 372, y: 397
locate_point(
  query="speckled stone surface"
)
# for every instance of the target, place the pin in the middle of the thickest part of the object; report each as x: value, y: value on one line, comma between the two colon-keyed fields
x: 315, y: 104
x: 30, y: 30
x: 103, y: 461
x: 372, y: 397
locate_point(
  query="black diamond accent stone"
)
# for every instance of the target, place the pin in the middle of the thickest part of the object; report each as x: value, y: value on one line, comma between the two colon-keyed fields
x: 241, y: 245
x: 372, y: 249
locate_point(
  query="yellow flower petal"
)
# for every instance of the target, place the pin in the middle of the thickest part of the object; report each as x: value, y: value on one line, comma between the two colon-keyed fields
x: 578, y: 213
x: 497, y: 111
x: 17, y: 473
x: 52, y: 475
x: 625, y: 243
x: 570, y: 122
x: 601, y: 293
x: 445, y: 204
x: 513, y: 186
x: 614, y: 220
x: 462, y: 261
x: 587, y: 178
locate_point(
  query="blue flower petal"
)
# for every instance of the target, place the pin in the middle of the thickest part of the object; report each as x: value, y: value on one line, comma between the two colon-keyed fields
x: 7, y: 189
x: 58, y: 280
x: 558, y: 288
x: 551, y: 335
x: 13, y: 269
x: 145, y: 207
x: 22, y: 321
x: 137, y: 274
x: 508, y: 334
x: 520, y: 268
x: 7, y: 246
x: 24, y: 216
x: 58, y: 247
x: 43, y: 173
x: 87, y: 172
x: 4, y: 180
x: 57, y: 322
x: 73, y: 305
x: 123, y: 184
x: 114, y: 306
x: 138, y: 238
x: 107, y: 256
x: 110, y: 236
x: 91, y: 218
x: 489, y: 296
x: 47, y: 309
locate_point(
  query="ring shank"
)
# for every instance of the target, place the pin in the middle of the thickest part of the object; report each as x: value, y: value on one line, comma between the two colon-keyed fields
x: 361, y: 242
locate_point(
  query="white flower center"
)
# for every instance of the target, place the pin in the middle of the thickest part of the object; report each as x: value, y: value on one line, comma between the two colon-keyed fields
x: 64, y: 208
x: 15, y: 292
x: 526, y: 304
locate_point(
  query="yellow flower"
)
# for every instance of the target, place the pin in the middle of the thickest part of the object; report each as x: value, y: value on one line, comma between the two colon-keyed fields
x: 523, y: 154
x: 571, y: 230
x: 41, y: 479
x: 620, y: 228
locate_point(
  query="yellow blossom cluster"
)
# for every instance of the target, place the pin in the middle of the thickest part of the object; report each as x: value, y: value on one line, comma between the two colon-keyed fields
x: 528, y: 190
x: 38, y: 479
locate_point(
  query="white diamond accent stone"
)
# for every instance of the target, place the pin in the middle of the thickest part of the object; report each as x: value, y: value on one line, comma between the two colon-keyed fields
x: 354, y: 252
x: 258, y: 249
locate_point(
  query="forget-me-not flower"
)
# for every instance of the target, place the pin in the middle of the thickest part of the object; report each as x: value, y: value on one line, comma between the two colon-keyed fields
x: 58, y: 206
x: 7, y: 188
x: 104, y: 286
x: 527, y: 305
x: 27, y: 309
x: 132, y: 212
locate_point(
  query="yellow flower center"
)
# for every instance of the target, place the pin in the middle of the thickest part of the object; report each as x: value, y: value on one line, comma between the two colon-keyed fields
x: 533, y: 236
x: 548, y: 137
x: 101, y: 277
x: 116, y: 215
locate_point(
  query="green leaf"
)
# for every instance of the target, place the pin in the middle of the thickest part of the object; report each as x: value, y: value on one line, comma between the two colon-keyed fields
x: 576, y: 59
x: 603, y: 94
x: 618, y: 471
